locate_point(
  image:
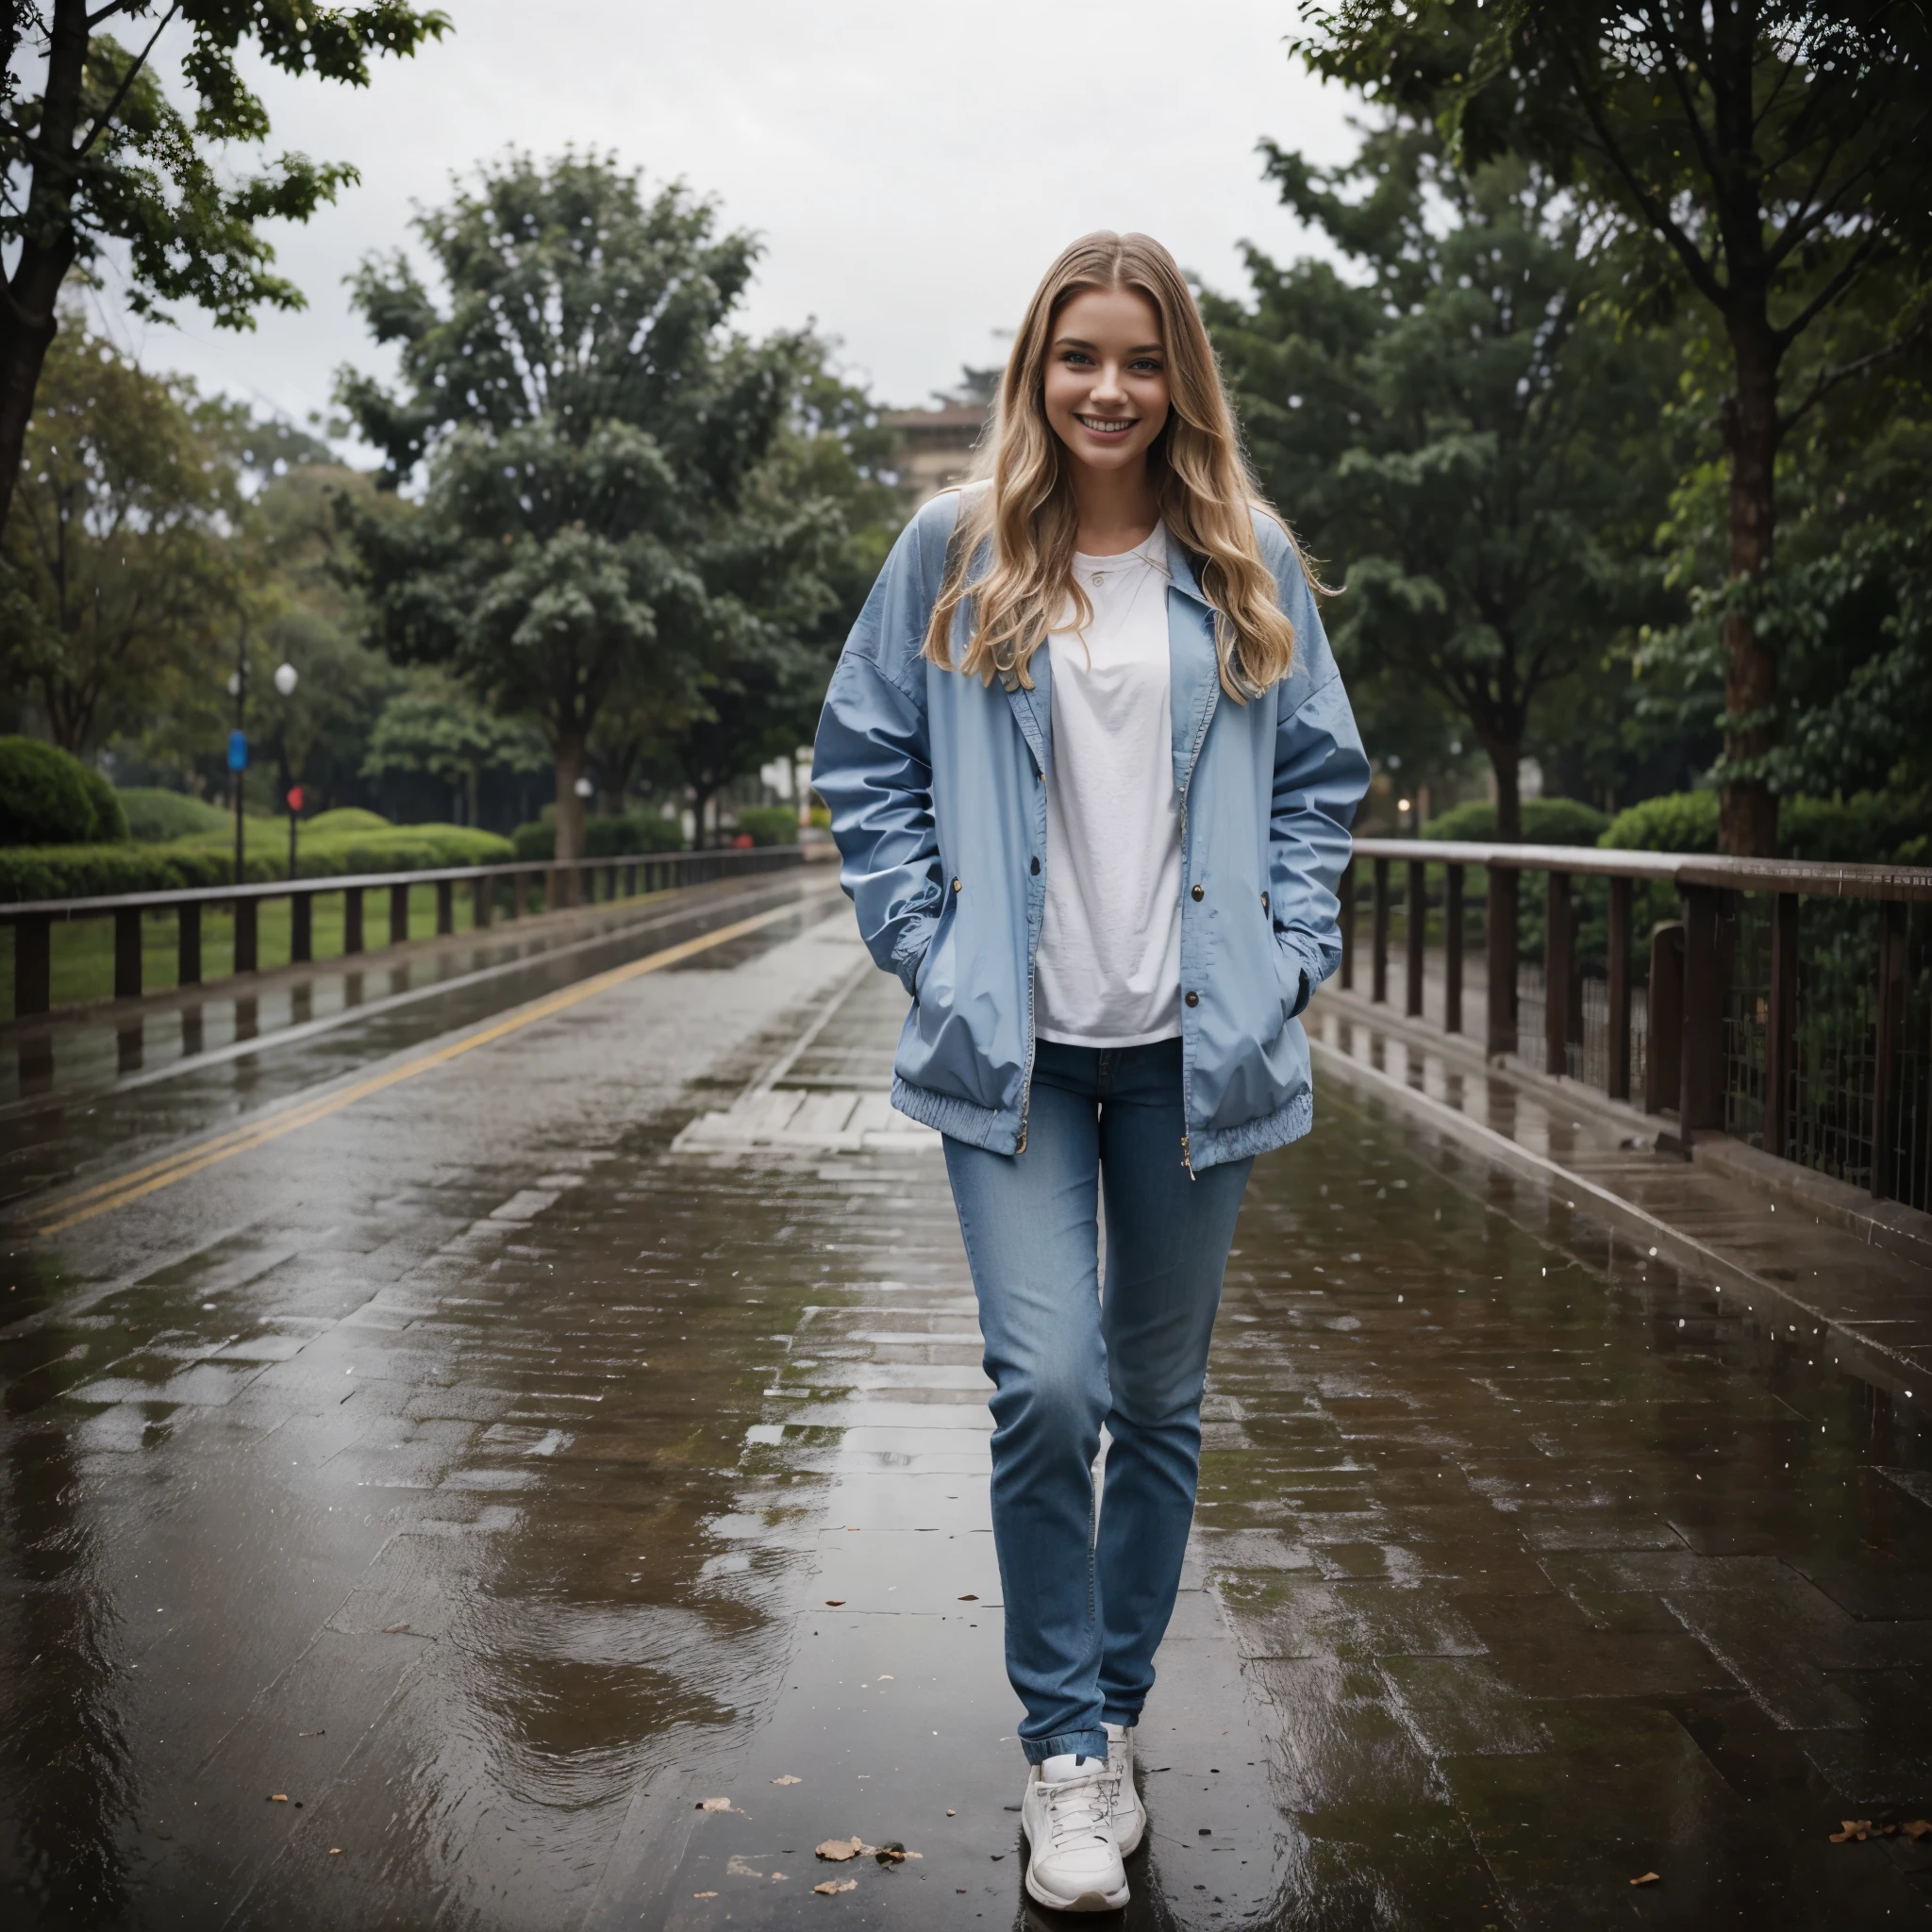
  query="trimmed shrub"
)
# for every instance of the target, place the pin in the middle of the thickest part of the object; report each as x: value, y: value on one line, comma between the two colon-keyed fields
x: 82, y: 872
x: 109, y: 824
x: 1677, y: 822
x: 346, y: 818
x: 156, y: 815
x: 606, y: 836
x: 1545, y: 821
x: 770, y: 824
x: 44, y: 795
x: 1871, y: 828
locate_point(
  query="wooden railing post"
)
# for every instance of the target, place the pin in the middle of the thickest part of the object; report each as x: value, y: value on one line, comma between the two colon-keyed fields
x: 483, y: 902
x: 301, y: 927
x: 1891, y: 1033
x: 1378, y: 960
x: 1664, y: 1019
x: 398, y: 914
x: 1781, y: 1026
x: 33, y: 964
x: 128, y: 953
x: 1417, y: 932
x: 445, y: 907
x: 1617, y: 989
x: 1559, y: 969
x: 1701, y: 1055
x: 352, y: 919
x: 1452, y: 949
x: 247, y: 930
x: 1500, y: 920
x: 1346, y: 921
x: 187, y: 943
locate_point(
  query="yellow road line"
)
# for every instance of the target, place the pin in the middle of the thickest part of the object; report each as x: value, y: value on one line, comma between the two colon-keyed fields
x: 124, y: 1188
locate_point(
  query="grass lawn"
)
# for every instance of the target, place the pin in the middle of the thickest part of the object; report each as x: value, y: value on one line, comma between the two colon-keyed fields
x: 83, y: 949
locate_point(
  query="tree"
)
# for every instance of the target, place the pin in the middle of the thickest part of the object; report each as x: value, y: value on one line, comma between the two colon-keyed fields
x: 588, y: 427
x: 438, y: 727
x: 816, y: 521
x: 121, y: 566
x: 100, y: 158
x: 1763, y: 158
x: 1464, y: 434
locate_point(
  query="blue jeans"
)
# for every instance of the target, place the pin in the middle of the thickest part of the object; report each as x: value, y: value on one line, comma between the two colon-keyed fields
x: 1085, y: 1614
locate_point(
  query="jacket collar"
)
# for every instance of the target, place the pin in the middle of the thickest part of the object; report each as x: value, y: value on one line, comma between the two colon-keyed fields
x: 1193, y: 673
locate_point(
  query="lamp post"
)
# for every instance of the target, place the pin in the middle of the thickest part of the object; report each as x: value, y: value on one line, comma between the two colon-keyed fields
x: 238, y: 741
x: 286, y: 681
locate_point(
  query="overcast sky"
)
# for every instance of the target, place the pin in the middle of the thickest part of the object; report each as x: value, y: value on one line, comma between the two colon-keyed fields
x: 912, y: 168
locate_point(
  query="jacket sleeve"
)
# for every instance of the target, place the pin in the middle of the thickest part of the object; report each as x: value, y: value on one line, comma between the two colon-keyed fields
x: 1320, y: 773
x: 872, y: 763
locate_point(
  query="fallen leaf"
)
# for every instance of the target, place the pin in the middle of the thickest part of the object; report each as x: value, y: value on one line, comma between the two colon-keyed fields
x: 1859, y: 1829
x: 335, y: 1850
x: 788, y: 1779
x: 838, y: 1849
x: 833, y: 1885
x: 1916, y: 1828
x: 778, y: 1877
x: 952, y: 1814
x: 893, y: 1853
x: 834, y: 1602
x: 393, y: 1629
x: 968, y: 1598
x: 278, y: 1797
x: 1648, y: 1878
x: 714, y: 1804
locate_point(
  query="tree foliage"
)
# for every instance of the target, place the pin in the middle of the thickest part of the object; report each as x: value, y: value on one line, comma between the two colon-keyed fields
x: 121, y: 564
x: 98, y: 157
x: 1462, y: 432
x: 1765, y: 158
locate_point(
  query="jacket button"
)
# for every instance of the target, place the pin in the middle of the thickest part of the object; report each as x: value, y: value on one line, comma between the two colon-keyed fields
x: 1036, y: 867
x: 1194, y: 999
x: 1264, y: 902
x: 1199, y: 893
x: 955, y: 885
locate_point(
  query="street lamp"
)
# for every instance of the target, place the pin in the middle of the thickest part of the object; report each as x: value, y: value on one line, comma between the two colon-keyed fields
x: 286, y: 680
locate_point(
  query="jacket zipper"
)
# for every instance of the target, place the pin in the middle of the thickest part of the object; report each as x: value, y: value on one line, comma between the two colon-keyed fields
x: 1032, y: 971
x: 1187, y: 1088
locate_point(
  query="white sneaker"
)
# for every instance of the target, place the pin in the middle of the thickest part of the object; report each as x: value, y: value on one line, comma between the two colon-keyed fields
x: 1129, y: 1814
x: 1073, y: 1864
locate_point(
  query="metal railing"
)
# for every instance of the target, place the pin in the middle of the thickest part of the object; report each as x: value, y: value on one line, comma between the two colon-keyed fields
x: 559, y: 881
x: 1787, y: 1004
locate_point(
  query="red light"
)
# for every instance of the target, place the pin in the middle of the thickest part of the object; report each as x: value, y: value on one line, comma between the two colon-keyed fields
x: 294, y: 798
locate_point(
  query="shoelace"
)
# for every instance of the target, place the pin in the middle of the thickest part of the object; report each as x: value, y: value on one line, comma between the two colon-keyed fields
x: 1079, y: 1807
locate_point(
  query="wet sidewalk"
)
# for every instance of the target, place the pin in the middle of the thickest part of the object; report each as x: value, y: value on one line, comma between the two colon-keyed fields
x: 414, y: 1520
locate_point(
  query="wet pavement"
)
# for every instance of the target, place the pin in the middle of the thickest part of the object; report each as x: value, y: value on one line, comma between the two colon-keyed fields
x: 414, y: 1517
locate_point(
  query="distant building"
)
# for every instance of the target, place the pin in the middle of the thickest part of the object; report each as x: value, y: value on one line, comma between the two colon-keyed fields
x: 935, y: 446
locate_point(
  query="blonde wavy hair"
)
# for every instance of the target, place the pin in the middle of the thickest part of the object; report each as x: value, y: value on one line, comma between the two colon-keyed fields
x: 1206, y: 497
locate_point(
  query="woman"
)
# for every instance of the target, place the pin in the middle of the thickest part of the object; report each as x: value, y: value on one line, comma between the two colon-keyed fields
x: 1090, y: 771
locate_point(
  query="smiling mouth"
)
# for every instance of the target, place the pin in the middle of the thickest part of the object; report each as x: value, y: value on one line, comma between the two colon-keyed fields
x: 1106, y: 425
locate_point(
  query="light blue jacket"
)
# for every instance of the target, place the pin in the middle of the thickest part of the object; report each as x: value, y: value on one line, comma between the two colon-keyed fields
x: 936, y: 785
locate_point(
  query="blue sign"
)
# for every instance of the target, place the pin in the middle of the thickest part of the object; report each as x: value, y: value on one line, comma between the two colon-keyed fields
x: 238, y: 751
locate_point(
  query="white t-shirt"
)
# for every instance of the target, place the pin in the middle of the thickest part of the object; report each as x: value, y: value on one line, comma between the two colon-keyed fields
x: 1109, y: 962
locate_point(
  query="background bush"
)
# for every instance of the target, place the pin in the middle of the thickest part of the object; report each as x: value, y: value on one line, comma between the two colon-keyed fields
x: 606, y: 836
x: 768, y: 825
x: 48, y: 797
x: 155, y: 814
x: 76, y: 871
x: 1545, y: 821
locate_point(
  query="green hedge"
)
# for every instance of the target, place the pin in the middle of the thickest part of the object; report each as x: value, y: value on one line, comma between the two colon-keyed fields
x: 48, y: 797
x: 1545, y: 821
x: 606, y: 836
x: 79, y: 872
x: 156, y: 815
x: 770, y: 824
x: 1869, y: 829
